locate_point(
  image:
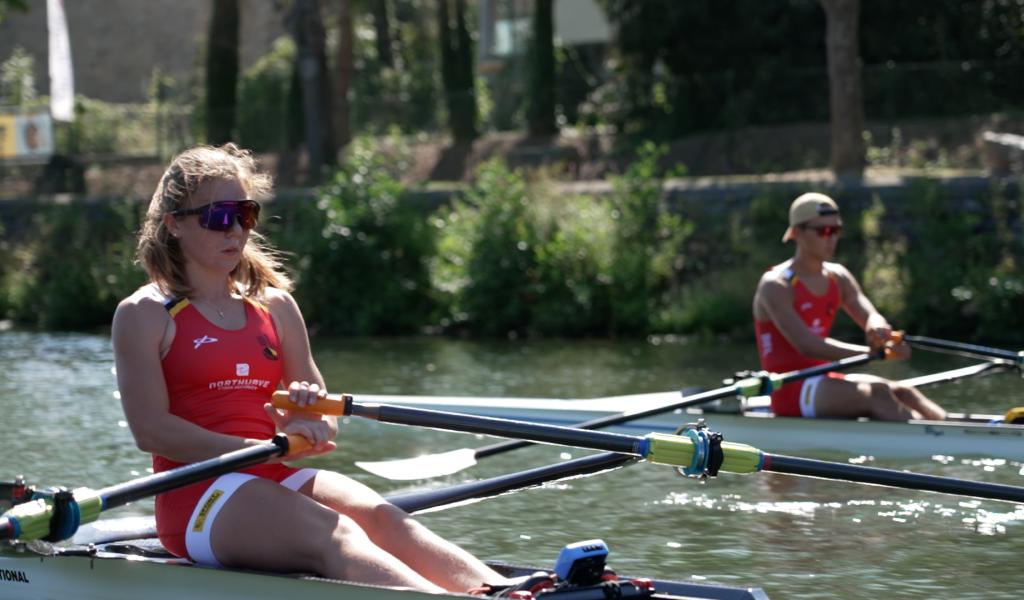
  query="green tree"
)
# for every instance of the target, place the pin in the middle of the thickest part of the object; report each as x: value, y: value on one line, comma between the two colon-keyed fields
x: 540, y: 100
x: 307, y: 27
x: 382, y: 25
x: 846, y: 98
x: 343, y: 72
x: 222, y: 71
x: 457, y: 69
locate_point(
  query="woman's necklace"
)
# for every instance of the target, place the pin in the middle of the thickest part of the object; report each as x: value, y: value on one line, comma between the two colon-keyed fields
x: 216, y: 308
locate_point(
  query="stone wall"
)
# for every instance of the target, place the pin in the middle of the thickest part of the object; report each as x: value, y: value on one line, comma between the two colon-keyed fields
x: 117, y: 44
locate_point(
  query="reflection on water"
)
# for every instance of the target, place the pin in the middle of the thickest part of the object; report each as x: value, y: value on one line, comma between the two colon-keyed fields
x: 793, y: 536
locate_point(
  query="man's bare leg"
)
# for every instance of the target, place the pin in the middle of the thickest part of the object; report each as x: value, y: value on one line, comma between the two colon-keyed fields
x: 860, y: 396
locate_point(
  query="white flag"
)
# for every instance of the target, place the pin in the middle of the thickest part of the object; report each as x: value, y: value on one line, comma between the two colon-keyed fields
x: 62, y: 80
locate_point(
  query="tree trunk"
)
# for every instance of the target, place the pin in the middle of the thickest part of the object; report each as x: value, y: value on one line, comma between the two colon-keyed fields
x: 540, y: 104
x: 457, y: 70
x: 222, y: 71
x: 382, y: 24
x: 308, y: 31
x: 343, y: 73
x: 846, y: 103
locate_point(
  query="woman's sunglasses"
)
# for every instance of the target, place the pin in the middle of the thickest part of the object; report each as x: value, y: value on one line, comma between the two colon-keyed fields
x: 221, y: 216
x: 824, y: 231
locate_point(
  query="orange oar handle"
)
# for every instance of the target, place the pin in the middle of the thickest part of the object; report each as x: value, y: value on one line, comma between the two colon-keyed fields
x: 895, y: 339
x: 297, y: 444
x: 337, y: 405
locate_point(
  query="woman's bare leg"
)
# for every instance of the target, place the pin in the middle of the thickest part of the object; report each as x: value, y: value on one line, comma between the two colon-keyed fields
x: 266, y: 526
x: 395, y: 531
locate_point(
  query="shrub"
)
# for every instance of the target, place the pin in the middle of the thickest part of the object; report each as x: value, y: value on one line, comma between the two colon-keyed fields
x: 487, y: 254
x: 648, y: 239
x: 367, y: 273
x: 58, y: 289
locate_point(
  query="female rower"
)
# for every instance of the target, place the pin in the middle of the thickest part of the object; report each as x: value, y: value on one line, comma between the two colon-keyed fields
x: 199, y: 351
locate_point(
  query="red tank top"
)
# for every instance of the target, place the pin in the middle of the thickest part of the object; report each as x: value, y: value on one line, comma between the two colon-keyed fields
x: 218, y: 378
x: 817, y: 312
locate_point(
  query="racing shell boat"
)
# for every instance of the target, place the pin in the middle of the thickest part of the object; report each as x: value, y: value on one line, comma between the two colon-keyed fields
x: 112, y: 563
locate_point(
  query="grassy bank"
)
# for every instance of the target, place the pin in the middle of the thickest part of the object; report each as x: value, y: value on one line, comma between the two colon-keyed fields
x: 514, y: 257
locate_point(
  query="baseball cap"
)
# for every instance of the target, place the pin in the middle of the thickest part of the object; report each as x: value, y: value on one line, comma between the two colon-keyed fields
x: 806, y: 207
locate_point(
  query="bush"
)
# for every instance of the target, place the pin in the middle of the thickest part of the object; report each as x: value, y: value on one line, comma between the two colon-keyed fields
x: 648, y: 239
x: 487, y: 254
x: 263, y: 99
x: 367, y: 272
x: 58, y: 289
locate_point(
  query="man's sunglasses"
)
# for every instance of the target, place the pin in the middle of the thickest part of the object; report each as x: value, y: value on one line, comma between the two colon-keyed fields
x: 824, y: 231
x: 221, y: 216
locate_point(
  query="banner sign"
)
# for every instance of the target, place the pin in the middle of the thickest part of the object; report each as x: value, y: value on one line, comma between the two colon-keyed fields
x: 27, y: 136
x: 62, y: 80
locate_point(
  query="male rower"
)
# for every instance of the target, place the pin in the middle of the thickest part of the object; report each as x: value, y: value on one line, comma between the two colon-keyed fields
x: 794, y: 307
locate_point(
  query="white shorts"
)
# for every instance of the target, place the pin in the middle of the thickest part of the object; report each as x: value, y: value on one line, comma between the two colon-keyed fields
x: 197, y: 534
x: 807, y: 395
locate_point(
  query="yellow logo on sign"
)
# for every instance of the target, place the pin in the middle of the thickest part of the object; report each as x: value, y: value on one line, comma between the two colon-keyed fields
x: 205, y: 511
x: 8, y: 146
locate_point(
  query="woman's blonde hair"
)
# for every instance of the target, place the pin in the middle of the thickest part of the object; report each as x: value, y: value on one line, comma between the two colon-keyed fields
x: 158, y: 251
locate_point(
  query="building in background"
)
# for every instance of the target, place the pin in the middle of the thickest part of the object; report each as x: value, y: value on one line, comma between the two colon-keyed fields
x: 118, y: 44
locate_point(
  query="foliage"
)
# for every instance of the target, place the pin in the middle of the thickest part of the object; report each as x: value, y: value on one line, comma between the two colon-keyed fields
x: 264, y: 90
x: 675, y: 73
x: 517, y: 257
x: 57, y: 289
x: 17, y: 79
x: 367, y: 271
x: 487, y: 254
x: 647, y: 238
x: 404, y: 93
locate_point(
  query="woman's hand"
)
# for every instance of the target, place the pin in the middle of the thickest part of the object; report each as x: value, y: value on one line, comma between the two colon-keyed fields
x: 877, y: 330
x: 318, y: 429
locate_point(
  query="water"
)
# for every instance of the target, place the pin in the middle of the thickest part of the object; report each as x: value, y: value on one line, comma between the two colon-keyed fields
x: 795, y: 537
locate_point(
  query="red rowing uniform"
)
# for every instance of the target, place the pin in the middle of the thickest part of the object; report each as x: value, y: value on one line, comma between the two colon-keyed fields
x: 778, y: 355
x: 218, y: 379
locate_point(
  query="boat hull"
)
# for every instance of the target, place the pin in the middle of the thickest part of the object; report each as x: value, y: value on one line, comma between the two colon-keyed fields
x: 97, y: 573
x: 967, y: 435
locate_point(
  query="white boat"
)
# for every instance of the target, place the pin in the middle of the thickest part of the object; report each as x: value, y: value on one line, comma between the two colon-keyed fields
x: 108, y: 561
x: 121, y: 559
x: 749, y: 421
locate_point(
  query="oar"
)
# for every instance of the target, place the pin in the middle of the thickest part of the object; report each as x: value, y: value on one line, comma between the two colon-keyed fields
x: 697, y: 453
x: 954, y: 374
x: 56, y: 516
x: 471, y: 491
x: 962, y: 349
x: 453, y: 495
x: 453, y: 461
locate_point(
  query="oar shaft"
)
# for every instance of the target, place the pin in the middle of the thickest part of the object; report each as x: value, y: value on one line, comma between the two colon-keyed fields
x: 535, y: 432
x: 792, y: 465
x: 839, y: 365
x: 56, y: 518
x: 123, y: 493
x: 961, y: 348
x: 684, y: 402
x: 478, y: 490
x: 337, y: 405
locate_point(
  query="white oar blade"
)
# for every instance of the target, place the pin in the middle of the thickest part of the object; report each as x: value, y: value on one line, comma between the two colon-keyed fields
x: 421, y: 467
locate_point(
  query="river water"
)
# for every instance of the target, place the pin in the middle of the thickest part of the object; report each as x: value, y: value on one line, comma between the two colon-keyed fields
x: 794, y: 537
